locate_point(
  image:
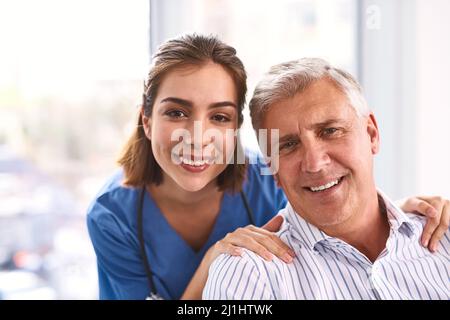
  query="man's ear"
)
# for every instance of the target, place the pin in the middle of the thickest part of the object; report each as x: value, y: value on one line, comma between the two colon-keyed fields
x: 277, y: 181
x: 374, y: 134
x: 147, y: 124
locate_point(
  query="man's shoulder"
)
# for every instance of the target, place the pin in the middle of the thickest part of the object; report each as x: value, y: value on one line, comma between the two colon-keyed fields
x: 248, y: 262
x: 416, y: 218
x: 419, y: 221
x: 241, y: 277
x: 225, y: 262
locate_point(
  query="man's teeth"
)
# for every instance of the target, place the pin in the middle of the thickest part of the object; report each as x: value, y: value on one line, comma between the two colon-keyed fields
x: 197, y: 163
x: 325, y: 186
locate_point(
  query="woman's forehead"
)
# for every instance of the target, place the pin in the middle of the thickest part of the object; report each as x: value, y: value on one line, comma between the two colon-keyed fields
x: 210, y: 82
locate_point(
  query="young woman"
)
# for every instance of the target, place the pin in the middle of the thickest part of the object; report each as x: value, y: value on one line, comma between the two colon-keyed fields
x: 177, y: 202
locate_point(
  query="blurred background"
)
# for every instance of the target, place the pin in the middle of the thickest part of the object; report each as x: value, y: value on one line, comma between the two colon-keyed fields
x: 71, y: 77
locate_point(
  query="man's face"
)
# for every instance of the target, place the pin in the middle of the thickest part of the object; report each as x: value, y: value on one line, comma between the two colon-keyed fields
x: 326, y: 154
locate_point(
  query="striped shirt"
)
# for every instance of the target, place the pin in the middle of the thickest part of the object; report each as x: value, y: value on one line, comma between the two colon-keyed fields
x: 328, y: 268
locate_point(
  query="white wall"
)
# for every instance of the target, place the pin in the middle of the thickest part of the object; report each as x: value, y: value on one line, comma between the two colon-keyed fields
x: 405, y: 71
x: 403, y: 65
x: 433, y: 82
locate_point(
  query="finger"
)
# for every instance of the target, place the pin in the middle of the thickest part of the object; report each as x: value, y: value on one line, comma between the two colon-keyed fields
x: 262, y: 242
x: 436, y: 202
x: 273, y: 243
x: 277, y: 247
x: 232, y: 250
x: 244, y: 238
x: 428, y: 230
x: 257, y: 248
x: 228, y: 248
x: 274, y: 224
x: 432, y: 223
x: 421, y: 206
x: 441, y: 230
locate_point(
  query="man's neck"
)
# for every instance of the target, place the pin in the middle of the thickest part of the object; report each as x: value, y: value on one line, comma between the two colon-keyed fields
x: 368, y: 230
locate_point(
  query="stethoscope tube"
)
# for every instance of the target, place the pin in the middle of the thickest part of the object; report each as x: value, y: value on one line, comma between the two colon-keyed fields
x: 140, y: 231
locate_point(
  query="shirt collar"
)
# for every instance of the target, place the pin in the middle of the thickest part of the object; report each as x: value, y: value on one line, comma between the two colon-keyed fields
x: 302, y: 230
x: 398, y: 220
x: 310, y: 235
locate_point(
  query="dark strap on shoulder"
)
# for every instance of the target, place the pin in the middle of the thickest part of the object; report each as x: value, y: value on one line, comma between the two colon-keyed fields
x: 248, y: 209
x: 140, y: 230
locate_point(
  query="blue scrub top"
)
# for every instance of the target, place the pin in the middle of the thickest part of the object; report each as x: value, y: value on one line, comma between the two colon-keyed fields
x: 112, y: 225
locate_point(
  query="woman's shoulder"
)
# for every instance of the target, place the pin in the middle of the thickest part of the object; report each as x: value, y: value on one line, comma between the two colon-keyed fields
x: 264, y: 196
x: 113, y: 198
x: 113, y: 183
x: 258, y: 169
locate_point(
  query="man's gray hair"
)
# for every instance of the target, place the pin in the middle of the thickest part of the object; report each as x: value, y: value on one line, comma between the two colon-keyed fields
x: 287, y: 79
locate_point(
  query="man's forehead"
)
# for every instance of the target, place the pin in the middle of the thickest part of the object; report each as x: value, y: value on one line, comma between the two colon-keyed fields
x: 309, y: 112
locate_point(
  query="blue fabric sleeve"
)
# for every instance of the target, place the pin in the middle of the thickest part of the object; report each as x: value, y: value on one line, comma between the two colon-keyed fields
x: 266, y: 198
x: 120, y: 270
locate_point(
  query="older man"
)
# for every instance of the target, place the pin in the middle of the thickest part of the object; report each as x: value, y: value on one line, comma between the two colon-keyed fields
x: 351, y: 241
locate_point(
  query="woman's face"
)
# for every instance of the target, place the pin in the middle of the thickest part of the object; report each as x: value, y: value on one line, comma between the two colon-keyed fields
x: 194, y: 109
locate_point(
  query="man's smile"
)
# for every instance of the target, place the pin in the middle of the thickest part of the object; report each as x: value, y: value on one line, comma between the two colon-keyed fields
x: 324, y: 185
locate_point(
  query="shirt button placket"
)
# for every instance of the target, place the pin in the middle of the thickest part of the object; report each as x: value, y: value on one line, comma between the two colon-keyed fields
x: 373, y: 276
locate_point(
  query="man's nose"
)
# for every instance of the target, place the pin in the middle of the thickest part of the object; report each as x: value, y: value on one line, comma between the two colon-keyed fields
x: 315, y: 158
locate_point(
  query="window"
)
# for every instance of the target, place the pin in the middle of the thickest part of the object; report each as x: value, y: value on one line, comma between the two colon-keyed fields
x: 264, y: 32
x: 72, y: 76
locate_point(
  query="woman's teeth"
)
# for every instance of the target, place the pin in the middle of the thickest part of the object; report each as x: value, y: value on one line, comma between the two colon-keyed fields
x: 325, y: 186
x: 197, y: 163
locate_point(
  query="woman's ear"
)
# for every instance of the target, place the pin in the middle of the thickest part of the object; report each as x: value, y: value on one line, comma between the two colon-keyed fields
x: 147, y: 124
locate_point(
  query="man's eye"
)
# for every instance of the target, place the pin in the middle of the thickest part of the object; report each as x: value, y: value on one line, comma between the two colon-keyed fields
x: 329, y: 131
x: 288, y: 145
x: 175, y: 114
x: 220, y: 118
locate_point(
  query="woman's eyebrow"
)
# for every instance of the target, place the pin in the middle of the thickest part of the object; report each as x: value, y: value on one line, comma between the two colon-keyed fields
x: 189, y: 104
x: 222, y: 104
x: 183, y: 102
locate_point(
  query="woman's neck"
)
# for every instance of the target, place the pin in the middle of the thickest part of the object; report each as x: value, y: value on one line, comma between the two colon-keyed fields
x: 191, y: 214
x: 170, y: 192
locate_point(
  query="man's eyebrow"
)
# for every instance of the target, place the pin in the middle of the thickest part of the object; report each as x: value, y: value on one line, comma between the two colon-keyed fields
x: 189, y: 104
x: 328, y: 123
x: 287, y: 137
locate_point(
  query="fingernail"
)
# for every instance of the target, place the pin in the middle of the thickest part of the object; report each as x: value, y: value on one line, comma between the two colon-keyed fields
x: 425, y: 242
x: 268, y: 256
x: 287, y: 258
x: 237, y: 252
x: 432, y: 213
x: 434, y: 248
x: 292, y: 253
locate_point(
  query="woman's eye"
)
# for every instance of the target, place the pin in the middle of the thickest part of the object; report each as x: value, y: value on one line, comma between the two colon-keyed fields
x: 175, y: 114
x: 220, y: 118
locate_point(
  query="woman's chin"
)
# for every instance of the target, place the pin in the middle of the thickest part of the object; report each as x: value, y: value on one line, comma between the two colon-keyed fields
x: 193, y: 184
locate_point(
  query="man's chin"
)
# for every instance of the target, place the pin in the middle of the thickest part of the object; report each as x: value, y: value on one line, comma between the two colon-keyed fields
x: 322, y: 215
